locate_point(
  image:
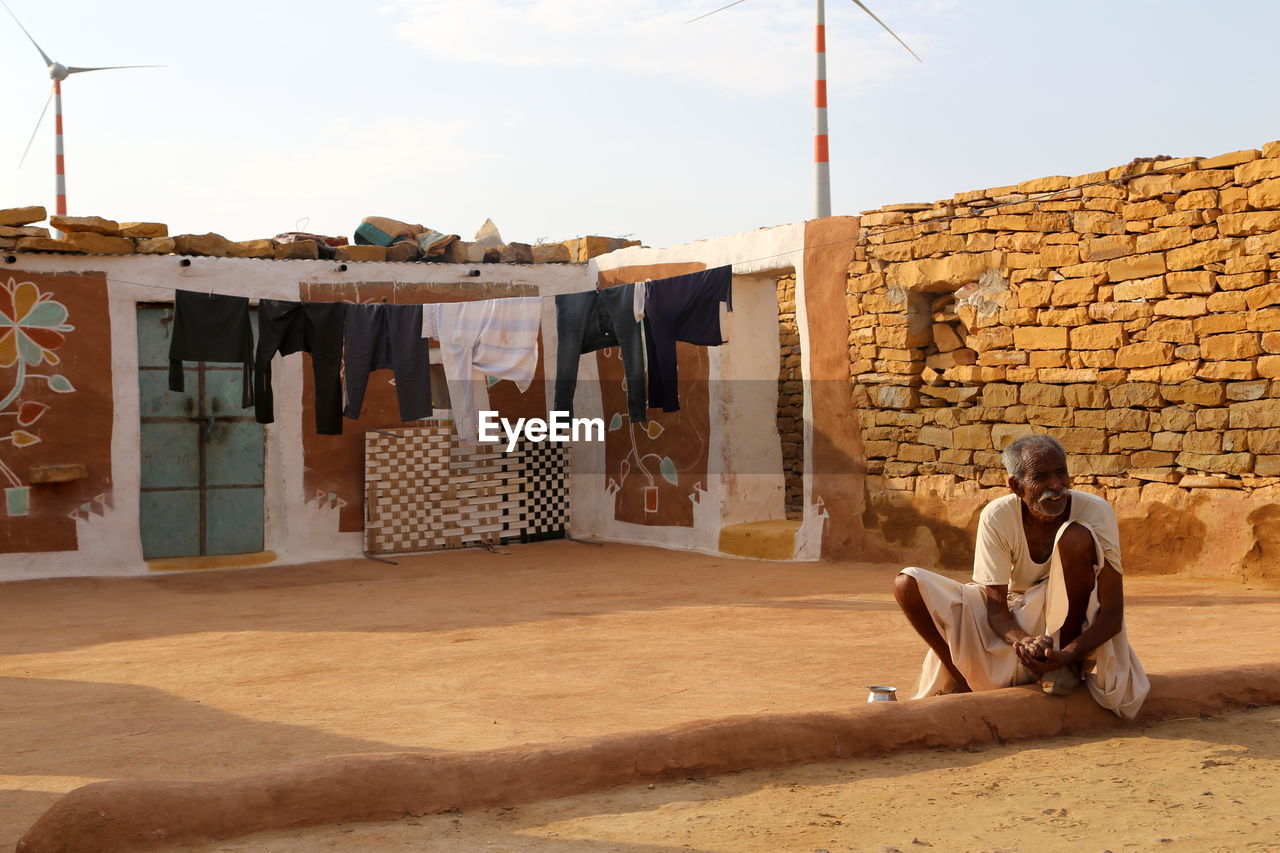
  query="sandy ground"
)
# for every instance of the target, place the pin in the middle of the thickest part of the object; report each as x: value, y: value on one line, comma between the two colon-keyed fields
x: 1202, y: 785
x: 209, y: 675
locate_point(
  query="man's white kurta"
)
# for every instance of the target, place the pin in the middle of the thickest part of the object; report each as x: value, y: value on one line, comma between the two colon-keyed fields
x: 1037, y: 600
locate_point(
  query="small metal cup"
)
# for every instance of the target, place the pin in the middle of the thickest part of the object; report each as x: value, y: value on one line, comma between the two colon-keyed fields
x: 882, y: 694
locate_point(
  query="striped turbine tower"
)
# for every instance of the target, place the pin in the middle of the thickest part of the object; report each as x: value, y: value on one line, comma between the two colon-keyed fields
x: 821, y: 146
x: 58, y: 72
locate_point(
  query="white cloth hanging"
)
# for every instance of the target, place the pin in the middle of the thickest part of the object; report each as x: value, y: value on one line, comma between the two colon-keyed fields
x: 489, y: 337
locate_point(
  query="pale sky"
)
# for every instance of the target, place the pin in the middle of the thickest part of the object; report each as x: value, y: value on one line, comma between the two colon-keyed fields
x: 560, y: 118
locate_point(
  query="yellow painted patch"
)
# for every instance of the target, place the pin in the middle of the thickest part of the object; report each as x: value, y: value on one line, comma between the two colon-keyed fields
x: 221, y: 561
x: 760, y: 540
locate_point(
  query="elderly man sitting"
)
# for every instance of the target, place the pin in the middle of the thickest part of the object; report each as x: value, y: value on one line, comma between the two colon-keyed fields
x: 1047, y: 601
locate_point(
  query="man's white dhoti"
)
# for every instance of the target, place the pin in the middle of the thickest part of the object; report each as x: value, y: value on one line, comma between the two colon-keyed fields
x: 1112, y: 671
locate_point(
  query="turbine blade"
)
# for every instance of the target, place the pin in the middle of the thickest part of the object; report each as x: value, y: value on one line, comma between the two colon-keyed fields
x: 75, y: 70
x: 864, y: 8
x: 27, y: 150
x: 713, y: 11
x: 43, y: 55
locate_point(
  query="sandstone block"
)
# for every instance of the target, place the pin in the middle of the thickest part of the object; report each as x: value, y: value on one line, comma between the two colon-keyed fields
x: 1098, y: 336
x: 1268, y: 366
x: 1261, y: 244
x: 1233, y: 199
x: 154, y: 246
x: 144, y: 229
x: 1238, y: 392
x: 1265, y: 194
x: 253, y: 249
x: 1047, y: 358
x: 1202, y: 441
x: 1128, y: 420
x: 1060, y: 255
x: 948, y: 360
x: 1221, y: 463
x: 1037, y: 394
x: 1257, y: 414
x: 1197, y: 200
x: 1170, y: 331
x: 895, y: 397
x: 16, y: 231
x: 972, y: 437
x: 1242, y: 281
x: 1261, y: 297
x: 1051, y: 337
x: 935, y: 436
x: 360, y: 253
x: 1074, y: 291
x: 1248, y: 224
x: 1257, y: 170
x: 1085, y: 396
x: 1002, y: 435
x: 213, y: 245
x: 1144, y: 288
x: 1208, y: 252
x: 22, y: 215
x: 1107, y: 248
x: 1224, y: 302
x: 999, y: 394
x: 945, y: 338
x: 1234, y: 158
x: 939, y: 274
x: 44, y: 244
x: 85, y: 224
x: 1145, y: 354
x: 1086, y: 465
x: 402, y: 251
x: 1189, y: 306
x: 1081, y: 440
x: 1165, y: 238
x: 1145, y: 210
x: 1136, y: 266
x: 1095, y: 358
x: 96, y: 243
x: 917, y: 453
x: 1076, y: 316
x: 1227, y: 370
x: 1193, y: 281
x: 1263, y: 440
x: 1095, y: 222
x: 1002, y: 358
x: 304, y: 250
x: 1205, y: 178
x: 551, y: 253
x: 1218, y: 324
x: 1067, y: 376
x: 1133, y: 395
x: 1152, y: 459
x: 1151, y: 186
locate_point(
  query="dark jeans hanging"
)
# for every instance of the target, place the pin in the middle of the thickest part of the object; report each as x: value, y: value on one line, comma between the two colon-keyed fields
x: 388, y: 336
x: 681, y: 308
x: 211, y: 327
x: 593, y: 320
x: 310, y: 327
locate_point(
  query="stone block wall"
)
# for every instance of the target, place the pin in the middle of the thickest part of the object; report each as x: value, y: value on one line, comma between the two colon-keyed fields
x: 790, y: 397
x: 1134, y: 313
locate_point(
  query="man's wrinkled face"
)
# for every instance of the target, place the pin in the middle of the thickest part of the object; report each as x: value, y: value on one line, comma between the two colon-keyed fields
x: 1045, y: 484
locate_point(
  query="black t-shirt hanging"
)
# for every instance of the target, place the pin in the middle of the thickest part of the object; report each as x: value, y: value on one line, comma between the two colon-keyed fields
x: 211, y: 327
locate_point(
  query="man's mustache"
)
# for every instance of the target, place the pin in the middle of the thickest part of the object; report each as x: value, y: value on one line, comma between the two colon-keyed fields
x: 1052, y: 493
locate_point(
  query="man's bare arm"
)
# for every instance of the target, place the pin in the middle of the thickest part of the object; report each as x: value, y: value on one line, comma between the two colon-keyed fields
x: 1027, y: 647
x: 1110, y: 618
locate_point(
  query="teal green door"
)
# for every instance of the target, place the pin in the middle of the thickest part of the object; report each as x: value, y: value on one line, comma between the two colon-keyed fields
x: 201, y: 453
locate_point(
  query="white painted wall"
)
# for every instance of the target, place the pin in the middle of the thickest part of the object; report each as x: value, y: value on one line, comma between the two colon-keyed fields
x: 744, y: 439
x: 297, y: 529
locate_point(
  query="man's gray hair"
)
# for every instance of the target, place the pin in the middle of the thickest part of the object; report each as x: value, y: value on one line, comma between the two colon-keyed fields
x: 1015, y: 455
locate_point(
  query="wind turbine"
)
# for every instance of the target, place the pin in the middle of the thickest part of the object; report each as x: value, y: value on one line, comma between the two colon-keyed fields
x: 58, y: 72
x: 821, y: 155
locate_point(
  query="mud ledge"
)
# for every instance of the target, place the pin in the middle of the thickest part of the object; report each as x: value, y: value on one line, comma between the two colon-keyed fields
x: 115, y: 817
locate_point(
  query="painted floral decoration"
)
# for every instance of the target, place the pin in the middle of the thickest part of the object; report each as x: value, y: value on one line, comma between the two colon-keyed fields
x: 32, y: 324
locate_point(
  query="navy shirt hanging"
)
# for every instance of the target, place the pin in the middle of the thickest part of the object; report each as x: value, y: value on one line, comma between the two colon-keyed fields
x: 211, y: 327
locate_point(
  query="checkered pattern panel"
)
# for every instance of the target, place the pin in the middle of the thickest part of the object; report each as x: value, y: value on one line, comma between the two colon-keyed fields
x: 425, y: 491
x: 541, y: 471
